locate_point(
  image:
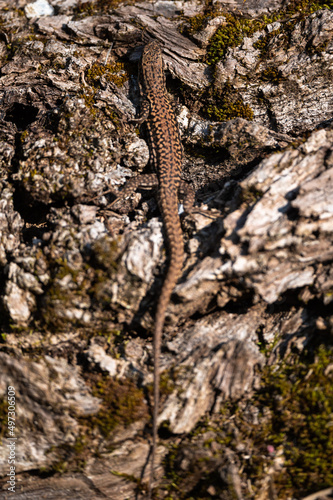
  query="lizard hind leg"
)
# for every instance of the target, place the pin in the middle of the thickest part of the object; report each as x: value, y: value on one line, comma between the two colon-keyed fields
x: 187, y: 194
x: 144, y: 113
x: 148, y: 181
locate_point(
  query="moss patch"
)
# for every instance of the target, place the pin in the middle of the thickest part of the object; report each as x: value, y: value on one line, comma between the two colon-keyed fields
x: 300, y: 399
x: 111, y: 72
x: 250, y: 195
x: 227, y: 104
x: 196, y: 23
x: 272, y: 75
x: 290, y: 417
x: 90, y: 8
x: 123, y: 403
x: 58, y: 299
x: 307, y: 6
x: 232, y: 34
x: 236, y: 28
x: 71, y: 457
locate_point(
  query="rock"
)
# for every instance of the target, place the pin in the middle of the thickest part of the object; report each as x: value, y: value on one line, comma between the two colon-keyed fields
x: 286, y: 84
x: 11, y: 225
x: 219, y: 356
x: 49, y: 393
x: 38, y: 9
x: 19, y: 303
x: 250, y: 7
x: 80, y: 275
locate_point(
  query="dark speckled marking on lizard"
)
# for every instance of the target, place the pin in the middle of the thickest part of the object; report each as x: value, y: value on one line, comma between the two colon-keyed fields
x: 166, y: 154
x: 166, y: 157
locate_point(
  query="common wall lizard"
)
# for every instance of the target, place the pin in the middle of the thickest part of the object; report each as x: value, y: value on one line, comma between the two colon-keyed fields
x: 166, y: 158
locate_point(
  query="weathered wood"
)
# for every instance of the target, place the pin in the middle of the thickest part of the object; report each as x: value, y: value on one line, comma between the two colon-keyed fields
x: 78, y: 283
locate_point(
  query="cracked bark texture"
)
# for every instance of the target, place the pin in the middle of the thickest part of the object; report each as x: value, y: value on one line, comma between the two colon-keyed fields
x: 78, y: 282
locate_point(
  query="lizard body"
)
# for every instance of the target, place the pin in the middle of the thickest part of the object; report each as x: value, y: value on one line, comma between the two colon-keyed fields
x: 166, y: 155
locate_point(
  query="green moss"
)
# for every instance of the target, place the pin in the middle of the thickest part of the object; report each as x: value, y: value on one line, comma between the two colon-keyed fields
x: 63, y: 269
x: 196, y: 23
x: 123, y: 403
x: 237, y: 28
x: 318, y: 49
x: 89, y: 95
x: 93, y: 7
x: 140, y: 486
x: 58, y: 298
x: 228, y: 111
x: 232, y: 34
x: 111, y: 72
x: 14, y: 328
x: 171, y: 467
x: 296, y: 11
x: 167, y: 386
x: 227, y: 104
x: 114, y: 73
x: 85, y: 8
x: 90, y: 283
x: 24, y: 135
x: 106, y: 253
x: 251, y: 195
x: 263, y: 43
x: 70, y: 457
x: 307, y: 6
x: 194, y: 482
x: 33, y: 172
x: 57, y: 64
x: 294, y: 410
x: 300, y: 399
x: 272, y: 75
x: 167, y: 383
x: 13, y: 47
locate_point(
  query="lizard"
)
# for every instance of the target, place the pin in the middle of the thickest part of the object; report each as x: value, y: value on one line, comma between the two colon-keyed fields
x: 166, y: 155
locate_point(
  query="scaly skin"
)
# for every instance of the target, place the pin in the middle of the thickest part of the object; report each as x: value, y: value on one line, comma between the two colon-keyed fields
x: 166, y: 155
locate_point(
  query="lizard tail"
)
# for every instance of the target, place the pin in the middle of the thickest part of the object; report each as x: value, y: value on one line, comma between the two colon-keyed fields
x: 176, y: 249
